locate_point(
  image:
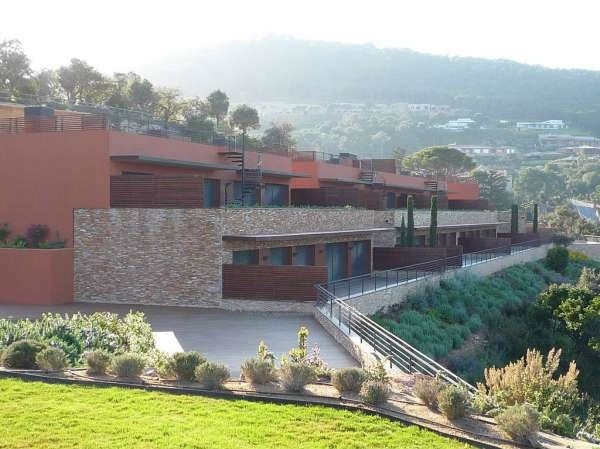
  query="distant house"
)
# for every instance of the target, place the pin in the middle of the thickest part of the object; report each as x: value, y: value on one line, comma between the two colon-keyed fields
x: 457, y: 125
x: 483, y: 150
x: 565, y: 140
x: 548, y: 124
x: 426, y: 108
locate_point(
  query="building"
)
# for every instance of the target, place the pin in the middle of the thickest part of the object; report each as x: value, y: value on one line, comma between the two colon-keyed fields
x: 484, y: 150
x: 148, y: 218
x: 548, y: 124
x: 457, y: 125
x: 429, y: 109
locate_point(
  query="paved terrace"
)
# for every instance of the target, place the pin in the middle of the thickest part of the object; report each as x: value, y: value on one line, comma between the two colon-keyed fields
x: 224, y: 336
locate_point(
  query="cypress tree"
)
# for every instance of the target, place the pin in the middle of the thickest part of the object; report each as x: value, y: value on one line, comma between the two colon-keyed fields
x: 410, y: 217
x: 514, y: 219
x: 433, y: 237
x: 402, y: 232
x: 535, y: 218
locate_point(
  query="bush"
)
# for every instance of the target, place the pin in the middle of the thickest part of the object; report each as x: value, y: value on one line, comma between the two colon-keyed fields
x: 51, y: 359
x: 4, y: 232
x: 427, y: 389
x: 212, y: 375
x: 519, y: 421
x: 259, y: 372
x: 453, y: 402
x: 348, y: 379
x: 185, y: 364
x: 97, y: 361
x: 375, y: 392
x: 128, y: 365
x: 295, y: 376
x: 557, y: 258
x: 21, y: 354
x: 36, y: 234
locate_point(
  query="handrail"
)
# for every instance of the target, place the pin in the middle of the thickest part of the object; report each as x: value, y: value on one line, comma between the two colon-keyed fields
x: 399, y: 353
x: 380, y: 280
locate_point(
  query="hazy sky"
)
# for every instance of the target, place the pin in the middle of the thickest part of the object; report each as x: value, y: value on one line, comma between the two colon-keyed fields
x: 125, y: 35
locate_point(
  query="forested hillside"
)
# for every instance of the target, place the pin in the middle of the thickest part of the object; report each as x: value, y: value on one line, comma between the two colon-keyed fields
x: 299, y: 71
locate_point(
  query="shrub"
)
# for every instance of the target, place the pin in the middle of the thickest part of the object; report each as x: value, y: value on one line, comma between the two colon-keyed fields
x: 4, y: 232
x: 259, y: 372
x: 162, y: 363
x: 519, y: 421
x: 97, y: 361
x: 51, y: 359
x: 21, y: 354
x: 577, y: 257
x: 557, y: 258
x: 427, y: 389
x: 128, y: 365
x: 453, y: 402
x: 348, y: 379
x: 374, y: 392
x: 185, y: 364
x: 212, y: 375
x: 295, y: 376
x: 36, y: 234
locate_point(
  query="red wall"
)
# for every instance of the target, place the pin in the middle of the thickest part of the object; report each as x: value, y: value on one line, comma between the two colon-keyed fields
x: 44, y: 176
x: 463, y: 191
x: 36, y: 276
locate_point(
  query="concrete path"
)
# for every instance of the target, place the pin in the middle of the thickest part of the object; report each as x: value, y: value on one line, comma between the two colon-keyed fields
x: 227, y: 337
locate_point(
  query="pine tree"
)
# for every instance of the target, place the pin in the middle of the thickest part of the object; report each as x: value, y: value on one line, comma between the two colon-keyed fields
x: 410, y: 217
x: 535, y: 218
x: 402, y: 241
x: 433, y: 228
x: 514, y: 219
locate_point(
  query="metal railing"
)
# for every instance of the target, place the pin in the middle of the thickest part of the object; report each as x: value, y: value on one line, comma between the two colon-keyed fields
x: 398, y: 352
x: 380, y: 280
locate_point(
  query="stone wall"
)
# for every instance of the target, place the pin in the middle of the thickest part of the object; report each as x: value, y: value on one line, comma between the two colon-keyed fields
x: 450, y: 217
x: 175, y: 256
x: 381, y: 299
x: 592, y: 250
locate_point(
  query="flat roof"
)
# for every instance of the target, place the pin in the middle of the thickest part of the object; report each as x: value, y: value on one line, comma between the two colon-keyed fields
x: 465, y: 225
x: 303, y: 235
x: 153, y: 160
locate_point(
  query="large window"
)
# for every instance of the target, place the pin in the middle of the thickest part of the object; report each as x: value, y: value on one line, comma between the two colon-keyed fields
x: 337, y: 260
x: 250, y: 197
x: 279, y: 256
x: 390, y: 200
x: 304, y: 255
x: 361, y: 258
x: 246, y: 257
x: 210, y: 193
x: 276, y: 195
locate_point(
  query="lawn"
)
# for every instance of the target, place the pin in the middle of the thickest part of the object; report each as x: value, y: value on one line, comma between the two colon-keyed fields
x: 38, y: 415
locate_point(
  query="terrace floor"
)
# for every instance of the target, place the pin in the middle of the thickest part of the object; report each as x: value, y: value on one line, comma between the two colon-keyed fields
x: 224, y: 336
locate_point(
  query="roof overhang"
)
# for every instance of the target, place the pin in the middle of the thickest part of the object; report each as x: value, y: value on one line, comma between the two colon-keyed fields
x: 303, y: 235
x: 283, y: 174
x: 345, y: 181
x: 165, y: 162
x: 465, y: 226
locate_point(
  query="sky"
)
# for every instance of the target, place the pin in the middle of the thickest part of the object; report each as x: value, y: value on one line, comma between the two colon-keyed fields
x: 128, y: 35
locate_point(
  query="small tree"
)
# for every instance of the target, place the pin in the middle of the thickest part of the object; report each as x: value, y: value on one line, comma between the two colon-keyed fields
x: 410, y: 217
x: 244, y: 118
x: 433, y: 237
x: 514, y: 219
x: 217, y: 105
x: 402, y: 241
x: 535, y: 218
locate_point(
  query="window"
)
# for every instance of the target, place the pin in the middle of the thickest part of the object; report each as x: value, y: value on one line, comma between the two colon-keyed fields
x: 304, y: 255
x: 337, y: 260
x: 390, y: 200
x: 250, y: 197
x: 246, y: 257
x: 361, y: 258
x: 279, y: 256
x: 276, y: 195
x: 210, y: 193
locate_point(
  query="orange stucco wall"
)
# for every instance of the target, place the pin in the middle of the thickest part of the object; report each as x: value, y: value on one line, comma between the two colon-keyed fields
x: 36, y: 276
x: 463, y: 191
x: 44, y: 176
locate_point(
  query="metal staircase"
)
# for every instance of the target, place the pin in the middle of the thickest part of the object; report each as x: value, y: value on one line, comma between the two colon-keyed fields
x: 368, y: 176
x: 251, y: 177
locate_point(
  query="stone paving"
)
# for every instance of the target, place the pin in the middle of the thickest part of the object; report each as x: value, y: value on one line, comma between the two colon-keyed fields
x: 224, y: 336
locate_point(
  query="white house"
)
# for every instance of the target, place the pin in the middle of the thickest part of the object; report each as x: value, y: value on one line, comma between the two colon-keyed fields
x: 548, y: 124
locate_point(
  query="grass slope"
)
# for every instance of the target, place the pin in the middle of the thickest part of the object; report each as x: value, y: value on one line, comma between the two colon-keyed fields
x: 35, y: 414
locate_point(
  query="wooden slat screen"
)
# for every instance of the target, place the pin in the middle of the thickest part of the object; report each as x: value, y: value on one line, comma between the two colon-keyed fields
x: 153, y: 191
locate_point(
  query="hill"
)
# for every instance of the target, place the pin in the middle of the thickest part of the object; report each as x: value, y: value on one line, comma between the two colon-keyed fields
x: 297, y: 71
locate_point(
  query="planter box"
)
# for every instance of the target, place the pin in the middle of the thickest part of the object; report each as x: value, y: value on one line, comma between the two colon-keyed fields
x: 36, y: 276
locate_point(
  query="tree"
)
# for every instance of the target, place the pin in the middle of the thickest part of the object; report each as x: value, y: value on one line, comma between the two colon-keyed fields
x: 197, y: 122
x: 142, y: 94
x: 439, y: 161
x: 244, y: 118
x: 433, y: 230
x: 279, y: 136
x: 410, y: 218
x: 492, y: 186
x: 169, y: 104
x: 535, y: 218
x: 48, y: 85
x: 514, y: 219
x: 402, y: 240
x: 218, y: 105
x: 82, y: 83
x: 565, y: 220
x: 15, y: 70
x: 543, y: 186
